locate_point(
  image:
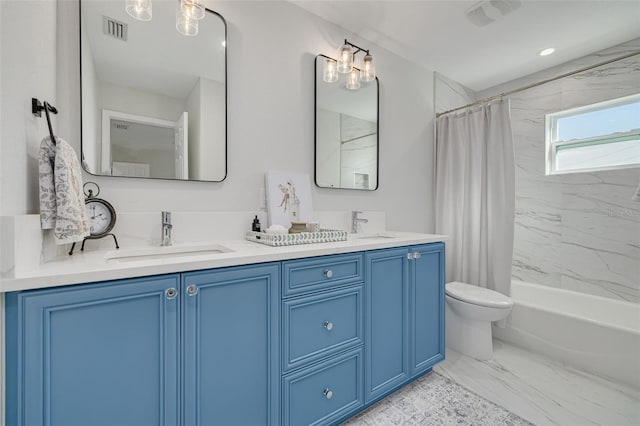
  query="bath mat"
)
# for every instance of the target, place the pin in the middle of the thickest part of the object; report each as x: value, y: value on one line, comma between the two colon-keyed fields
x: 436, y: 400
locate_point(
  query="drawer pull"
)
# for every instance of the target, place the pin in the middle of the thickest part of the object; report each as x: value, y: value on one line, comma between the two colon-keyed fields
x: 328, y: 393
x: 171, y: 293
x: 328, y: 325
x: 417, y: 255
x: 192, y: 290
x: 410, y: 256
x: 328, y: 273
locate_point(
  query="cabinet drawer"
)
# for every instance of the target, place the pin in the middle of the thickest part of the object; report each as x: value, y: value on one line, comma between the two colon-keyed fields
x: 300, y: 276
x: 320, y: 325
x: 325, y: 392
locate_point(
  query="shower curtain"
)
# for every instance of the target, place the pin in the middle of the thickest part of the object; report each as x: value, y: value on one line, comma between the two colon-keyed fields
x: 475, y: 194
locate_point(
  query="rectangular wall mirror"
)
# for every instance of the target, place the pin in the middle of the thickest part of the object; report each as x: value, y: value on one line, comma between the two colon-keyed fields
x: 346, y: 133
x: 154, y: 101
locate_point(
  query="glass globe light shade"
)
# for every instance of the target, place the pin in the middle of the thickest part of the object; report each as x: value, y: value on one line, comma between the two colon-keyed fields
x: 185, y: 24
x: 345, y: 59
x: 330, y: 72
x: 353, y: 80
x: 139, y: 9
x: 192, y: 8
x: 368, y: 71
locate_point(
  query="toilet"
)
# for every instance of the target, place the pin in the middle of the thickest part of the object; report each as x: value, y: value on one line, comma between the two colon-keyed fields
x: 469, y: 313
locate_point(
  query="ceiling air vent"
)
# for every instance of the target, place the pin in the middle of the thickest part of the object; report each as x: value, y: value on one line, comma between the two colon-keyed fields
x: 487, y: 11
x: 113, y: 28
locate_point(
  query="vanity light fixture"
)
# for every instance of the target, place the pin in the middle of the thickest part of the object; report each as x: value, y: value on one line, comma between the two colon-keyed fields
x: 139, y: 9
x: 188, y: 14
x: 344, y: 65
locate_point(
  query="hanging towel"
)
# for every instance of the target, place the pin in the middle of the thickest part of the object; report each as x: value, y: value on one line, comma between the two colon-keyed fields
x: 61, y: 198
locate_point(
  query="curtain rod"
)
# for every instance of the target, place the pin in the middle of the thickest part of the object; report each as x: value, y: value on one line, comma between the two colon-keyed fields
x: 530, y: 86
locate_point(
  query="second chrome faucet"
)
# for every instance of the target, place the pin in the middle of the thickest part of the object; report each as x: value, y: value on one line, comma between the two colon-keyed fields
x: 165, y: 239
x: 355, y: 221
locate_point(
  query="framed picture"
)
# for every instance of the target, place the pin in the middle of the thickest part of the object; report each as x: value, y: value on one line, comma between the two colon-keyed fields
x: 288, y: 197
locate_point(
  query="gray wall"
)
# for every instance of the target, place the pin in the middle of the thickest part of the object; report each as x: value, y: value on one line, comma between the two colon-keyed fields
x: 271, y: 50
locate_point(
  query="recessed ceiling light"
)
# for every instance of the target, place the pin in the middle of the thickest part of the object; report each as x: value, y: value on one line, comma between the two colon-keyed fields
x: 547, y: 51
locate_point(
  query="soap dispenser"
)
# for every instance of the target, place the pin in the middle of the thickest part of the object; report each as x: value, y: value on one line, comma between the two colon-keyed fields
x: 255, y: 226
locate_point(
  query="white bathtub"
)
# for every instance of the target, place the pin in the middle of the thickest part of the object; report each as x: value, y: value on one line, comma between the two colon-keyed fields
x: 592, y: 333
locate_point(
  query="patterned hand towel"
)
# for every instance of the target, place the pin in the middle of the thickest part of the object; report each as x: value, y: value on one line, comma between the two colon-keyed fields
x: 61, y: 197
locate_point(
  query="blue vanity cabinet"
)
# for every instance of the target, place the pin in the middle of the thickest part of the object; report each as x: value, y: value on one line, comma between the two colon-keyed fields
x: 230, y: 346
x: 325, y: 392
x: 304, y: 276
x: 319, y: 325
x: 386, y: 321
x: 322, y: 339
x: 307, y: 341
x: 426, y: 306
x: 101, y: 354
x: 404, y: 323
x: 198, y: 348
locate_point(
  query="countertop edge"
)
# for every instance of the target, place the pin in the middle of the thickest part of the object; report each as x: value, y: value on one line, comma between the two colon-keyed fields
x: 91, y: 267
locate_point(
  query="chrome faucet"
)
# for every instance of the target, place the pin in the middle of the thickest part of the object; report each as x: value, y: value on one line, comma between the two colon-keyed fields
x: 166, y: 229
x: 355, y: 220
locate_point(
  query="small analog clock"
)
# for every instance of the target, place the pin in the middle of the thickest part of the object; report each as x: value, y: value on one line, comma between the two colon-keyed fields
x: 101, y: 215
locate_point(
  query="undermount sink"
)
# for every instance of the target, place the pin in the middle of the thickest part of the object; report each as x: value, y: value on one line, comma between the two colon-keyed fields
x: 372, y: 236
x: 151, y: 253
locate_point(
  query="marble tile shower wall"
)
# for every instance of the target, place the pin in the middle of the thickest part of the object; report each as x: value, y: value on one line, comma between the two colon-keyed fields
x: 579, y: 231
x: 450, y: 94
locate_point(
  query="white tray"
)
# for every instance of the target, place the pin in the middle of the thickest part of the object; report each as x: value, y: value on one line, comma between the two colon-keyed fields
x: 322, y: 236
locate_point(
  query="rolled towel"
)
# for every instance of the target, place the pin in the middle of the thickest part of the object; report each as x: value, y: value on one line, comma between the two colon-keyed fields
x: 61, y: 198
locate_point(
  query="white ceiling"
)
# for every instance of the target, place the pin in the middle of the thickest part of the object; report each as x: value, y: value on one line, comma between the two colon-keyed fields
x: 437, y: 35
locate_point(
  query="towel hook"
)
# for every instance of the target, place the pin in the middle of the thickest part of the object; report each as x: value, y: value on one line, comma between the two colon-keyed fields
x: 36, y: 109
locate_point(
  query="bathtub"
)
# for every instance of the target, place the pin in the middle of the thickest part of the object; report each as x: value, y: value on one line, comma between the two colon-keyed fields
x: 591, y: 333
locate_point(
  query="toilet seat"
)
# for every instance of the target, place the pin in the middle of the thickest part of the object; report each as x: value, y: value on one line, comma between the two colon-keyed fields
x: 478, y: 295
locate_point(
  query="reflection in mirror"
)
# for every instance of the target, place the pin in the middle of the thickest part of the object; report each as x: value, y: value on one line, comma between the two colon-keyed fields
x: 346, y: 139
x: 153, y: 100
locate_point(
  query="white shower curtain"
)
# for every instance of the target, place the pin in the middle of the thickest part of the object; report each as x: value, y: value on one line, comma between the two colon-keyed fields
x: 475, y: 194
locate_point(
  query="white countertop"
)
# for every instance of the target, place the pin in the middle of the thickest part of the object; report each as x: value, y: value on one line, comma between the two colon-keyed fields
x: 93, y: 266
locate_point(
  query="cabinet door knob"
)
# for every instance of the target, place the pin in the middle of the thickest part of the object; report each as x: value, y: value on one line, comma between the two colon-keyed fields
x: 328, y: 325
x: 192, y: 290
x: 171, y: 293
x: 328, y: 393
x: 410, y: 256
x: 417, y: 255
x: 328, y: 273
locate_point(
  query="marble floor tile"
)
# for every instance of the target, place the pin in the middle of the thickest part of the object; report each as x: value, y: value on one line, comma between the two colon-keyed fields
x: 543, y: 391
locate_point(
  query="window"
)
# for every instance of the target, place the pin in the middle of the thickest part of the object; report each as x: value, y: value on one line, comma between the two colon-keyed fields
x: 600, y: 136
